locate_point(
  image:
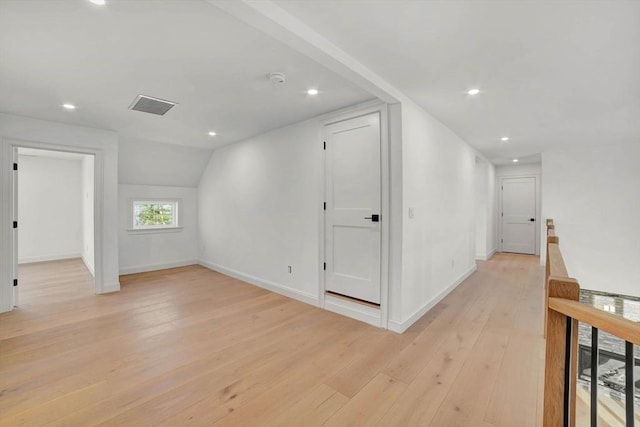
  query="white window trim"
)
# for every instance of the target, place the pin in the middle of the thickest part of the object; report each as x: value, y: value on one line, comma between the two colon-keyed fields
x: 174, y: 228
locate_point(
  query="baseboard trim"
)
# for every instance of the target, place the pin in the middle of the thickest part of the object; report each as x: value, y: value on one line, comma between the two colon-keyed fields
x: 89, y: 267
x: 401, y: 326
x: 43, y: 258
x: 353, y: 310
x: 262, y: 283
x: 486, y: 257
x: 154, y: 267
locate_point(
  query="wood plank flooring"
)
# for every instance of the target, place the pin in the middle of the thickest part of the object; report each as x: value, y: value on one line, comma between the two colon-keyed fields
x: 189, y: 346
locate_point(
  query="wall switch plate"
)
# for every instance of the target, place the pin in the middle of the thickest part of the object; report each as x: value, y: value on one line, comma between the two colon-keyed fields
x: 411, y: 212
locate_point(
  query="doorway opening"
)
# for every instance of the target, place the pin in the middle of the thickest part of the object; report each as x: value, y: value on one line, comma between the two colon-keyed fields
x: 54, y: 242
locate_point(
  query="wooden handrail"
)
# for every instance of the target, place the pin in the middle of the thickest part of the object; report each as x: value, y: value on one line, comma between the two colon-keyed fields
x: 615, y: 325
x: 556, y: 263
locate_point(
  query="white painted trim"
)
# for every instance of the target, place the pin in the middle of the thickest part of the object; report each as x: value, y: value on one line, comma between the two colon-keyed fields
x: 400, y: 327
x: 110, y: 287
x: 486, y: 257
x: 43, y: 258
x: 265, y: 284
x: 356, y: 311
x: 154, y: 267
x: 152, y: 230
x: 89, y: 267
x: 353, y: 111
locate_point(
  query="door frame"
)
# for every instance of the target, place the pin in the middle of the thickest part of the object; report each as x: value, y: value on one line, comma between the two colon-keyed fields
x: 12, y: 144
x: 374, y: 316
x: 536, y: 179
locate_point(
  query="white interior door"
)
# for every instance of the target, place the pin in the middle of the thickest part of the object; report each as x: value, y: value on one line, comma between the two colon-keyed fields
x: 518, y: 223
x: 352, y: 215
x: 15, y: 229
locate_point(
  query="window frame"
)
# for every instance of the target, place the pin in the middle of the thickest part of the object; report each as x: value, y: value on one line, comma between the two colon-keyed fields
x: 175, y: 226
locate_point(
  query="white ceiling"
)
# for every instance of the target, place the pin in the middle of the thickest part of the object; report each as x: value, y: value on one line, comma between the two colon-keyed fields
x: 188, y: 51
x: 550, y: 72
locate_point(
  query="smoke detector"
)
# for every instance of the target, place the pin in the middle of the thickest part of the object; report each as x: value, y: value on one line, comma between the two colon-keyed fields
x: 148, y: 104
x: 277, y: 78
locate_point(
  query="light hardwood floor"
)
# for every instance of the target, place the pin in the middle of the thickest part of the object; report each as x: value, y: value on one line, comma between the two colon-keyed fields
x: 189, y: 346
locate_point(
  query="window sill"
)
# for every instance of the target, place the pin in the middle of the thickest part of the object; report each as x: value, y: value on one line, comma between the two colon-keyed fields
x: 154, y: 230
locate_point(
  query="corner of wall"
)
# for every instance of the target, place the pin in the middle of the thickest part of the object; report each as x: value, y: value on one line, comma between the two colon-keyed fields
x: 402, y: 326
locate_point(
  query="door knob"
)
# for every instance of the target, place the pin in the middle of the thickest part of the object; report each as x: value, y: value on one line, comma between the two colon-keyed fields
x: 373, y: 218
x: 532, y: 219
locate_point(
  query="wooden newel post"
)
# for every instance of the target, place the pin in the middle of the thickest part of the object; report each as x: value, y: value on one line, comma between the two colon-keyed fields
x: 560, y: 384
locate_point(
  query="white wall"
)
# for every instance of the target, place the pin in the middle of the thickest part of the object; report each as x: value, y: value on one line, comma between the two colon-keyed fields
x: 438, y: 244
x: 49, y: 208
x: 24, y: 131
x: 259, y: 210
x: 157, y: 249
x: 87, y: 213
x: 485, y: 177
x: 593, y: 196
x: 520, y: 170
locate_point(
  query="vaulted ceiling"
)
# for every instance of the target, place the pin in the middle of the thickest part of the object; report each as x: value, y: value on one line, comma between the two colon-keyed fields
x: 549, y: 73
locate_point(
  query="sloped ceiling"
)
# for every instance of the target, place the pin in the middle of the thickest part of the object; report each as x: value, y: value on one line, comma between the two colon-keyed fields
x: 145, y: 162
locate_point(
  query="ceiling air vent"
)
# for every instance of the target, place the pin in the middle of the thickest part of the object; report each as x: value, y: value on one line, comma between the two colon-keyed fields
x: 151, y: 105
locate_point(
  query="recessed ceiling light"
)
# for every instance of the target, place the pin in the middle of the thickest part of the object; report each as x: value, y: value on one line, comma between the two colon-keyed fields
x: 312, y: 91
x: 504, y: 139
x: 473, y: 91
x: 212, y: 133
x: 515, y: 160
x: 98, y: 2
x: 69, y: 106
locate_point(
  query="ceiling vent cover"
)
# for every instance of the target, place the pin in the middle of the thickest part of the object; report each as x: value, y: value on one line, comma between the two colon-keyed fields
x: 149, y: 104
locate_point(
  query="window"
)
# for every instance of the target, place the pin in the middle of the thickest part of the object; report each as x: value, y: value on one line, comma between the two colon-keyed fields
x: 154, y: 214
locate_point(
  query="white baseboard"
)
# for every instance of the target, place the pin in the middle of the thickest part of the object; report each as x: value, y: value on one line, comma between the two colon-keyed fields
x: 353, y: 310
x: 486, y: 257
x: 402, y: 326
x: 42, y: 258
x: 89, y: 266
x: 262, y: 283
x: 110, y: 287
x: 154, y: 267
